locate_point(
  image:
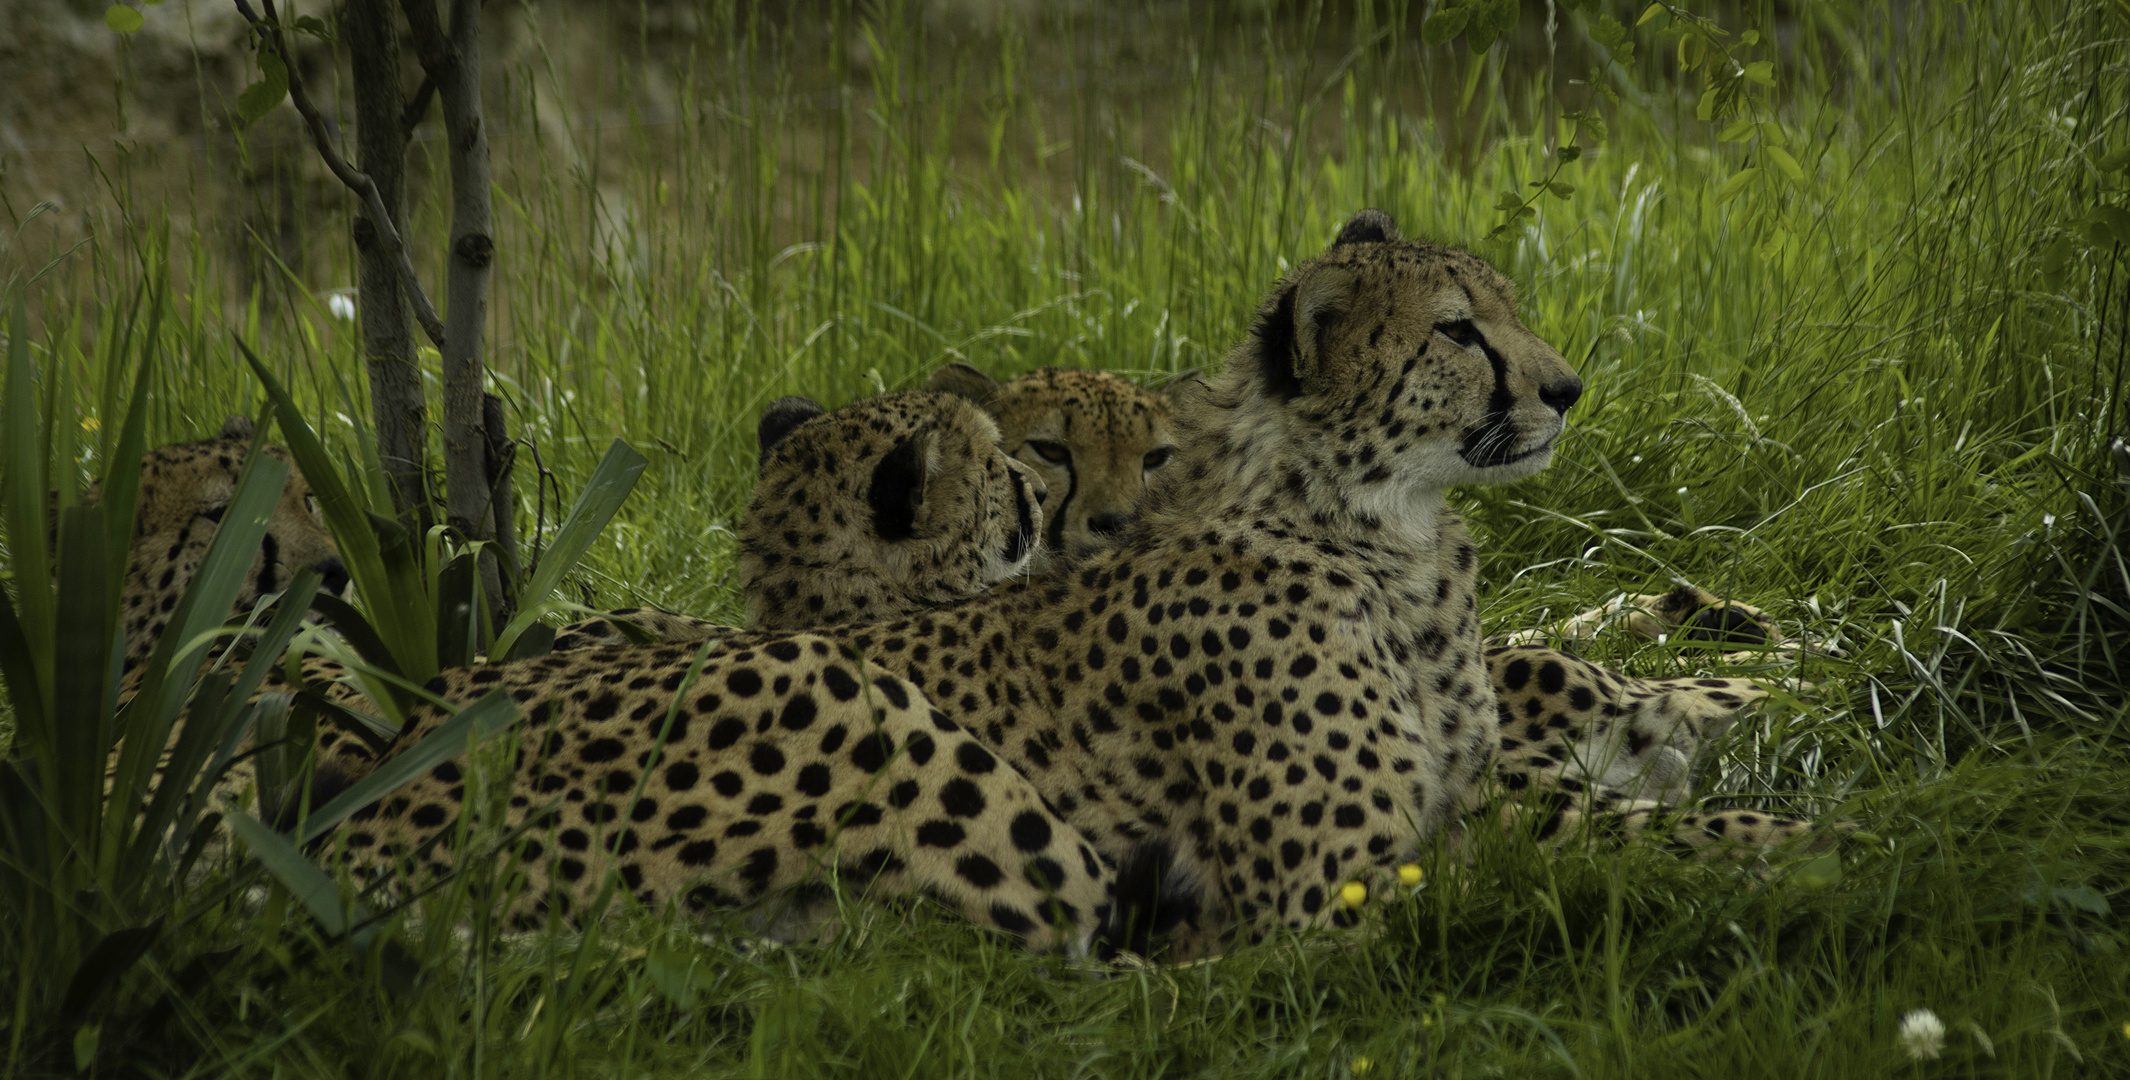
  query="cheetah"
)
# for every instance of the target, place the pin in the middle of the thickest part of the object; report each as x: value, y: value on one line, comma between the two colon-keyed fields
x: 1093, y: 432
x: 1092, y: 436
x: 881, y: 508
x: 185, y: 488
x: 1273, y: 683
x: 877, y: 510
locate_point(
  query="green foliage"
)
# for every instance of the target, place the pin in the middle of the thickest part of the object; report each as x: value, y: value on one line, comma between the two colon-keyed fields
x: 1897, y: 430
x: 261, y: 97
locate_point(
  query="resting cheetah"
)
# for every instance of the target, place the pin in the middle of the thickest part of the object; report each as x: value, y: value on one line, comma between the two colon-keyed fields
x: 185, y: 489
x: 1101, y: 440
x: 884, y: 507
x: 1272, y: 684
x: 1093, y: 437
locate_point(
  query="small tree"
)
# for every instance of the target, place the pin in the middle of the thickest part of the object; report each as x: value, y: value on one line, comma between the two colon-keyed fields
x: 477, y: 500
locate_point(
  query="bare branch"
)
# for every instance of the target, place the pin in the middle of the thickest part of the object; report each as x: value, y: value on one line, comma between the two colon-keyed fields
x: 356, y: 181
x: 417, y: 107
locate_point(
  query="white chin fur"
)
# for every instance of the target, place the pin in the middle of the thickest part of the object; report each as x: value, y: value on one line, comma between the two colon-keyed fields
x: 997, y: 569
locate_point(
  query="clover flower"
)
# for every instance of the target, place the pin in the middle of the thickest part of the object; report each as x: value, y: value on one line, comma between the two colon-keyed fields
x: 1353, y: 894
x: 1922, y: 1034
x: 1409, y: 875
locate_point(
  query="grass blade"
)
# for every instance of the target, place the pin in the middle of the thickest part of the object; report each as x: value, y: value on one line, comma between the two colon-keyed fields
x: 603, y: 494
x: 474, y: 724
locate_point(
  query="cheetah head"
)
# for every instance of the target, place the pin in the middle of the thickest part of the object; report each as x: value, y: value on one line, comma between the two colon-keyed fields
x: 185, y: 489
x: 1384, y: 371
x: 881, y: 508
x: 1094, y: 438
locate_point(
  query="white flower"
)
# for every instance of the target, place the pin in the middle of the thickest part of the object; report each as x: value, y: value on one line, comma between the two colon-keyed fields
x: 1922, y: 1034
x: 341, y: 303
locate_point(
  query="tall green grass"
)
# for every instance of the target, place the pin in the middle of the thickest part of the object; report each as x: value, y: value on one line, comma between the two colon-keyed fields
x: 1894, y: 431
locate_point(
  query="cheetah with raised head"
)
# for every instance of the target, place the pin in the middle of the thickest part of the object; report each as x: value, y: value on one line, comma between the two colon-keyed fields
x: 1274, y: 683
x: 1095, y: 439
x: 1578, y: 740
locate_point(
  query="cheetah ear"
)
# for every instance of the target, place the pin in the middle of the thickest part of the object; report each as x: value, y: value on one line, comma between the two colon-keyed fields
x: 898, y: 485
x: 236, y: 426
x: 964, y: 380
x: 1320, y: 301
x: 1370, y: 226
x: 778, y: 420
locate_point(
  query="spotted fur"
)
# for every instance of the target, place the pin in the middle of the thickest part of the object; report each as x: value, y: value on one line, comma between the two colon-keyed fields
x: 185, y: 488
x: 1095, y: 439
x: 1273, y: 683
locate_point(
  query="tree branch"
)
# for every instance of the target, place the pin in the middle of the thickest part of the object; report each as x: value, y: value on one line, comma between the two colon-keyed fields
x: 417, y: 107
x: 356, y: 181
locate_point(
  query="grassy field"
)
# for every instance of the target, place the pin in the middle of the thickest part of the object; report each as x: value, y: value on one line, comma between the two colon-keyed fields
x: 1891, y: 428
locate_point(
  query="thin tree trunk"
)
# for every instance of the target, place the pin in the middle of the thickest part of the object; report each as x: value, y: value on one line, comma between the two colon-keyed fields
x: 396, y: 404
x: 454, y: 64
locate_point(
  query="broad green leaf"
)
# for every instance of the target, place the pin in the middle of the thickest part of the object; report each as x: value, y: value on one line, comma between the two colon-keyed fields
x: 1735, y: 186
x: 1738, y: 130
x: 2113, y: 160
x: 2056, y: 260
x: 1569, y: 153
x: 1561, y: 189
x: 145, y: 722
x: 1509, y: 201
x: 474, y: 724
x: 1761, y: 71
x: 86, y: 626
x: 106, y: 963
x: 303, y: 880
x: 1444, y: 25
x: 2112, y: 222
x: 1705, y: 109
x: 123, y: 19
x: 22, y: 453
x: 1750, y: 37
x: 610, y: 483
x: 1784, y: 162
x: 259, y: 98
x: 394, y: 598
x: 1650, y: 12
x: 1822, y: 872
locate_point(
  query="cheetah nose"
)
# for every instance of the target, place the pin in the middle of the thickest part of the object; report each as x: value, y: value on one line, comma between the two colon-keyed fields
x: 333, y: 576
x: 1108, y: 524
x: 1561, y: 394
x: 1040, y: 493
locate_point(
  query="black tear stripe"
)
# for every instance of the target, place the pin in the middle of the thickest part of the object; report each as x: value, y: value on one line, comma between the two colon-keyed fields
x: 1055, y: 530
x: 1496, y: 423
x: 269, y: 554
x: 1024, y: 520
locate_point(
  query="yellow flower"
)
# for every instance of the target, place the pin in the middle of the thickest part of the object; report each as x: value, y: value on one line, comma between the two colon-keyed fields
x: 2126, y: 1029
x: 1361, y: 1065
x: 90, y: 423
x: 1354, y: 894
x: 1409, y: 875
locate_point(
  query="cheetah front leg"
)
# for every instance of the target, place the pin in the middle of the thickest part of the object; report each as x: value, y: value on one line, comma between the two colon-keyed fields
x: 786, y: 767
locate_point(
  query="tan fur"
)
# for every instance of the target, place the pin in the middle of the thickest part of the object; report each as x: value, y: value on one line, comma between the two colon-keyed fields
x: 1093, y: 437
x: 1272, y: 684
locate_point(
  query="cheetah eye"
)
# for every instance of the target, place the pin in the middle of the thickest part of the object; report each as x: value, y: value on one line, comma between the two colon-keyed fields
x: 1461, y: 331
x: 1157, y: 458
x: 310, y: 504
x: 1055, y: 453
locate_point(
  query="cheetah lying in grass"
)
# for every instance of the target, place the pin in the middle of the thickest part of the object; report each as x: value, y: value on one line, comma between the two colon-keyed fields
x: 1273, y: 684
